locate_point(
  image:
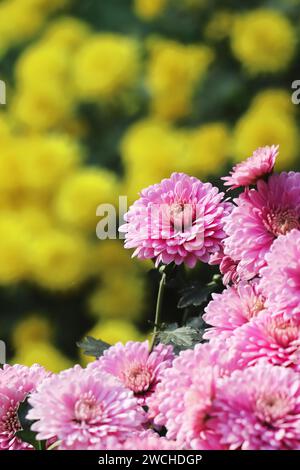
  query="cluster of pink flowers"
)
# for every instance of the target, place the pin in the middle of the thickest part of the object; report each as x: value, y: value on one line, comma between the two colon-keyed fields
x: 239, y: 390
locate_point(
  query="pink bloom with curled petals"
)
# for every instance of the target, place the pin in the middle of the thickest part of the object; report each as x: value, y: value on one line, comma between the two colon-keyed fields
x: 195, y: 432
x: 258, y: 408
x: 234, y: 307
x: 135, y: 366
x: 280, y: 279
x: 273, y: 339
x: 179, y: 220
x: 261, y: 215
x: 147, y: 439
x: 84, y: 408
x: 150, y: 442
x: 167, y: 406
x: 247, y: 173
x: 227, y: 267
x: 16, y: 384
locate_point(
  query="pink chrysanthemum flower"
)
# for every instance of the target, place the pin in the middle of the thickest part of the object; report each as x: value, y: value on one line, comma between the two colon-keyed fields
x: 262, y: 215
x: 281, y: 277
x: 168, y: 410
x: 151, y: 442
x: 247, y: 173
x: 227, y: 267
x: 198, y: 406
x: 258, y: 408
x: 146, y: 439
x: 266, y: 337
x: 83, y: 408
x: 135, y: 366
x: 178, y: 220
x: 16, y: 383
x: 232, y: 308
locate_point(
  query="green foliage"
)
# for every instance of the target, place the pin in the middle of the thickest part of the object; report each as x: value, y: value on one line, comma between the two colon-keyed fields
x: 180, y: 337
x: 93, y: 347
x: 25, y: 433
x: 194, y: 294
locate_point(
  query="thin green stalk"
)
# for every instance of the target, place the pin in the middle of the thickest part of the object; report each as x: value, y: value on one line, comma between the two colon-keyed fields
x: 40, y: 445
x: 159, y: 303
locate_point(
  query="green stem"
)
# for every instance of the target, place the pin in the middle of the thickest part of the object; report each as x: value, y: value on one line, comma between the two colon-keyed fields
x: 185, y: 315
x: 159, y: 302
x: 41, y: 445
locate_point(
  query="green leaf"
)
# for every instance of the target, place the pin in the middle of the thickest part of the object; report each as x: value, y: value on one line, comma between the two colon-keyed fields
x: 197, y: 323
x: 196, y: 295
x: 93, y: 347
x: 23, y: 410
x: 26, y: 434
x: 184, y: 337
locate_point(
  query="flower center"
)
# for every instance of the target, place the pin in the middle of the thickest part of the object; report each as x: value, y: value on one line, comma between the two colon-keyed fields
x: 272, y: 407
x: 254, y: 309
x: 87, y: 409
x: 280, y: 222
x: 10, y: 421
x: 182, y: 216
x: 138, y: 378
x: 284, y: 332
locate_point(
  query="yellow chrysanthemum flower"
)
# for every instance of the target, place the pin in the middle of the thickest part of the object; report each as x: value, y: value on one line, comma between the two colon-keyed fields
x: 40, y: 63
x: 68, y: 33
x: 13, y: 249
x: 22, y: 19
x: 47, y: 6
x: 263, y: 41
x: 276, y: 99
x: 80, y: 195
x: 5, y: 130
x: 135, y: 181
x: 44, y: 96
x: 11, y: 170
x: 120, y: 295
x: 172, y: 106
x: 266, y: 127
x: 112, y: 331
x: 18, y: 22
x: 105, y: 66
x: 109, y: 255
x: 33, y: 329
x: 35, y: 219
x: 150, y: 143
x: 149, y: 9
x: 58, y: 260
x: 219, y: 26
x: 47, y: 160
x: 41, y: 108
x: 206, y: 150
x: 174, y: 70
x: 44, y: 354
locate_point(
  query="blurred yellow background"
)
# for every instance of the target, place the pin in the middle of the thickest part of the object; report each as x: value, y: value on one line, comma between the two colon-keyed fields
x: 103, y: 99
